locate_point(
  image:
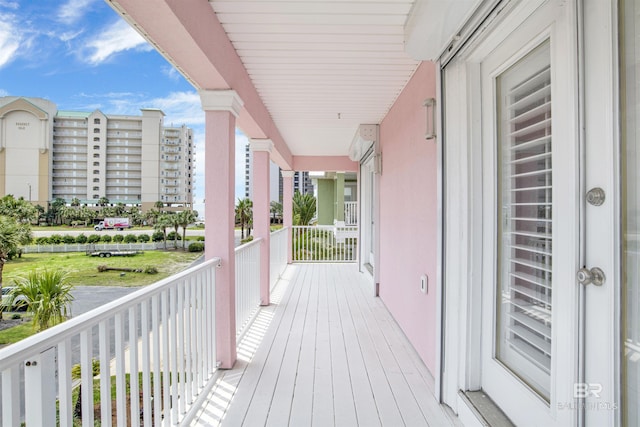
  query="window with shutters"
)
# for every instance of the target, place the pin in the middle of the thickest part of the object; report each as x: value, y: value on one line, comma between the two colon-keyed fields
x: 524, y: 220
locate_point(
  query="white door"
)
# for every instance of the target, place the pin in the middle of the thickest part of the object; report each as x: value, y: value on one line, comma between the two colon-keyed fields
x: 368, y: 204
x: 530, y: 227
x: 551, y: 351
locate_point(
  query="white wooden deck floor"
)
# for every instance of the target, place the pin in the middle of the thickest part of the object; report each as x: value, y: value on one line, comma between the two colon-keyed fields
x: 325, y: 353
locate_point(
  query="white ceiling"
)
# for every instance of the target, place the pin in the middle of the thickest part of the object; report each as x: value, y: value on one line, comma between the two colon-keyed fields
x: 321, y: 67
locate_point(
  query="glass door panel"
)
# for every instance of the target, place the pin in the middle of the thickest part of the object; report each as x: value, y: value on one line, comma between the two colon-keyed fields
x: 524, y: 220
x: 630, y: 129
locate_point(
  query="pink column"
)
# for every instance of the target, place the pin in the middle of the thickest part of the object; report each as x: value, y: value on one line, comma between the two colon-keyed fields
x: 261, y: 149
x: 221, y: 109
x: 287, y: 209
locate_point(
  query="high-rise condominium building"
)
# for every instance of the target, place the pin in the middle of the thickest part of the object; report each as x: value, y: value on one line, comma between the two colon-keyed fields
x: 47, y: 154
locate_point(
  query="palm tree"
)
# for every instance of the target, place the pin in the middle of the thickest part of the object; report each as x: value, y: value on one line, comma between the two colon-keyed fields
x: 162, y: 223
x: 75, y: 202
x: 304, y: 208
x: 174, y: 222
x: 276, y: 210
x: 12, y: 235
x: 19, y: 209
x: 47, y: 295
x: 67, y: 214
x: 85, y: 214
x: 119, y: 209
x: 244, y: 212
x: 152, y: 216
x: 185, y: 218
x: 103, y: 201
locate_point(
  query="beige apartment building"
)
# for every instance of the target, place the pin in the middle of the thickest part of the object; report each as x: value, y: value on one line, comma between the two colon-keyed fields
x: 47, y: 153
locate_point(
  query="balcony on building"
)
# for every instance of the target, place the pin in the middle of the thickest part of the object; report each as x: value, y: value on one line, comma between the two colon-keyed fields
x: 290, y: 328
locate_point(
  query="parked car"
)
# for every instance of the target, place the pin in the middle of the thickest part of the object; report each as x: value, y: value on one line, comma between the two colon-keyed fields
x: 19, y: 301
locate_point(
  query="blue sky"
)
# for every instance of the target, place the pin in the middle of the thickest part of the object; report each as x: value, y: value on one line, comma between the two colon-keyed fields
x: 82, y: 56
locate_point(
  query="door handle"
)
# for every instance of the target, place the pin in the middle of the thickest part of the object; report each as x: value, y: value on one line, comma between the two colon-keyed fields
x: 591, y: 276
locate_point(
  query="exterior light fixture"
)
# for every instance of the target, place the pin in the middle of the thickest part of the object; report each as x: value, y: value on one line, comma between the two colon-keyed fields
x: 430, y: 112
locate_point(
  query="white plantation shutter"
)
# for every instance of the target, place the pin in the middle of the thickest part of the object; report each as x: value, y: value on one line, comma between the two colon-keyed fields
x: 525, y: 220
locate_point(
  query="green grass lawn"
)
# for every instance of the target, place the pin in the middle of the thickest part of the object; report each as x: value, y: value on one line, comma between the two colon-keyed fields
x: 82, y: 269
x: 17, y: 333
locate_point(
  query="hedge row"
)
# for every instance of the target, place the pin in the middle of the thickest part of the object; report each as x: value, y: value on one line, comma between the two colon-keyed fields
x: 57, y: 239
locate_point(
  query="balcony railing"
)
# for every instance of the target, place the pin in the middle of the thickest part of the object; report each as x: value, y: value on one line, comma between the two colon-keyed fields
x: 278, y: 251
x: 325, y: 243
x: 351, y: 213
x: 163, y: 335
x: 247, y: 284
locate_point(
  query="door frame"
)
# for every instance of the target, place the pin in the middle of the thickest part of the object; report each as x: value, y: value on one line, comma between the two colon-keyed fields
x: 463, y: 214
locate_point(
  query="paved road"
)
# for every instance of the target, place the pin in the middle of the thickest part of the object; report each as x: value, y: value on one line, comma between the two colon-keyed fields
x: 87, y: 298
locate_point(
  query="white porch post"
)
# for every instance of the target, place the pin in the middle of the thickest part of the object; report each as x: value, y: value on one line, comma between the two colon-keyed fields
x: 221, y: 109
x: 287, y: 210
x: 261, y: 149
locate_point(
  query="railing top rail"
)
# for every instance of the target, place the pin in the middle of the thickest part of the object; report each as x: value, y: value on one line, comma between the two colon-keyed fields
x: 248, y: 244
x: 41, y: 341
x: 324, y: 227
x: 283, y: 229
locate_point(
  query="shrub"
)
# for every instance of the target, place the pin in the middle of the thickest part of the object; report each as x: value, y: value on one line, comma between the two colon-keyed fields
x: 118, y: 238
x: 94, y: 238
x: 151, y: 270
x: 196, y: 247
x: 157, y: 236
x: 47, y: 295
x: 14, y: 253
x: 130, y: 238
x: 42, y: 241
x: 247, y: 239
x: 81, y: 239
x: 55, y: 239
x: 106, y: 238
x: 174, y: 236
x: 143, y: 238
x: 200, y: 238
x: 16, y: 316
x: 68, y: 239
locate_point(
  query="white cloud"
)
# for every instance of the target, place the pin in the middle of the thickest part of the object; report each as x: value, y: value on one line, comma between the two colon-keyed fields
x: 180, y: 108
x: 9, y: 4
x: 69, y: 35
x: 9, y: 40
x: 118, y: 37
x: 171, y: 72
x: 73, y: 10
x: 4, y: 92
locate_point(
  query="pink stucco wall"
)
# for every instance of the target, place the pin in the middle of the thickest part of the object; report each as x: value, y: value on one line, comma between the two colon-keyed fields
x: 408, y: 214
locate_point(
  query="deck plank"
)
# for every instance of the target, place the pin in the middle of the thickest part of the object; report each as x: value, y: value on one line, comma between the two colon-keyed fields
x: 281, y: 403
x: 328, y: 353
x: 258, y: 411
x: 323, y: 410
x: 343, y: 393
x: 385, y: 400
x: 302, y: 404
x: 415, y: 373
x: 363, y: 397
x: 244, y: 395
